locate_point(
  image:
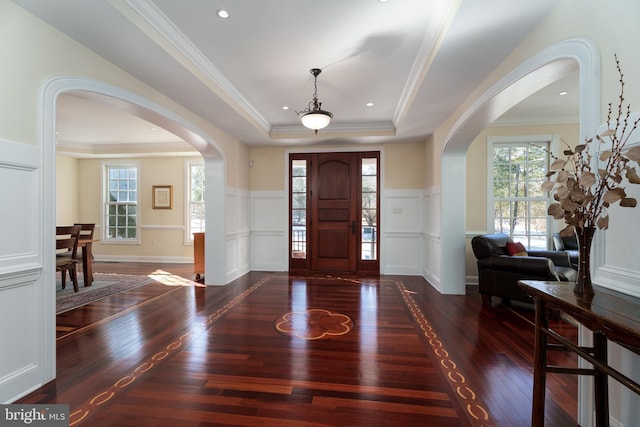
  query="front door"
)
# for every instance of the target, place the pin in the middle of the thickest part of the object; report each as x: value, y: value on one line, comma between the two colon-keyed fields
x: 334, y: 206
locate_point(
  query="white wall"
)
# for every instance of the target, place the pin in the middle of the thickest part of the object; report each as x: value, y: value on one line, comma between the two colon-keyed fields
x: 237, y: 205
x: 269, y: 244
x: 401, y: 231
x: 400, y: 235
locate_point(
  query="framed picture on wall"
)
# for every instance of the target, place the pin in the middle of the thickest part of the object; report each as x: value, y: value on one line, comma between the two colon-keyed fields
x: 162, y: 197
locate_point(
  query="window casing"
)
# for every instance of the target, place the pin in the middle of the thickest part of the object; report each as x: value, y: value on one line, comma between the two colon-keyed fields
x: 194, y: 191
x: 516, y: 205
x: 121, y: 213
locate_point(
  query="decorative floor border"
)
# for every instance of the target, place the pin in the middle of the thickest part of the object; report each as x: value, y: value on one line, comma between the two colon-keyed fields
x: 467, y: 397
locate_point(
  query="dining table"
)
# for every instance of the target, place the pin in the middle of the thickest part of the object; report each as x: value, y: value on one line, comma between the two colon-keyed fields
x: 87, y: 259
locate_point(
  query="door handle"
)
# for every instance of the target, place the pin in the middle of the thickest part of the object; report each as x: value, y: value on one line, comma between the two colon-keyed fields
x: 353, y: 227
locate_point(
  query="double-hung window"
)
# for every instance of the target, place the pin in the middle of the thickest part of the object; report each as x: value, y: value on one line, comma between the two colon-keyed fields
x: 195, y: 197
x: 516, y: 206
x: 121, y: 202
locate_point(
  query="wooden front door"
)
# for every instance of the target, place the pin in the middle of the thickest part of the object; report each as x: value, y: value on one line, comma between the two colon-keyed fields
x: 333, y: 226
x: 333, y: 196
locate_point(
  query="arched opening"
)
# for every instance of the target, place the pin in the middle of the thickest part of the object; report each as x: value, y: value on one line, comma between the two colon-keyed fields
x: 143, y: 108
x: 539, y: 71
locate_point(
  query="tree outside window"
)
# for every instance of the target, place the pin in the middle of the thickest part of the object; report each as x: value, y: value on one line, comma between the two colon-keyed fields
x: 519, y: 206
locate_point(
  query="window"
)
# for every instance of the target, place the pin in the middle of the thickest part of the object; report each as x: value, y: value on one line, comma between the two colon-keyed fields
x: 517, y: 206
x: 195, y: 194
x: 299, y: 209
x: 121, y: 202
x: 369, y: 218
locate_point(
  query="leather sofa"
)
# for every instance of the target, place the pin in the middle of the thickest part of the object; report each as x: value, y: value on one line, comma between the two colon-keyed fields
x: 568, y: 244
x: 499, y: 272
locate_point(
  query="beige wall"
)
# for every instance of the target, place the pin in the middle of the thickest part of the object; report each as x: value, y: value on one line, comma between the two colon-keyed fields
x: 267, y: 172
x: 162, y: 230
x: 66, y: 190
x: 431, y: 163
x: 403, y: 167
x: 237, y: 157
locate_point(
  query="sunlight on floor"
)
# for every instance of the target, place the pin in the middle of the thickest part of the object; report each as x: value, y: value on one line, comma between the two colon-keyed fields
x: 169, y: 279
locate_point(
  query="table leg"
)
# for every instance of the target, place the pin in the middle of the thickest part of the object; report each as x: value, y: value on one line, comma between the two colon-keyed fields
x: 539, y: 364
x: 600, y: 381
x: 87, y: 264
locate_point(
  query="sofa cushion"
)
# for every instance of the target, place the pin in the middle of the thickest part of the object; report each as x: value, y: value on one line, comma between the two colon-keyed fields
x: 489, y: 244
x: 516, y: 249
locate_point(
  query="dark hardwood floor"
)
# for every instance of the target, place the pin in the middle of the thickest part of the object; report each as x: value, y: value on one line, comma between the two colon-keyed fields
x: 271, y: 349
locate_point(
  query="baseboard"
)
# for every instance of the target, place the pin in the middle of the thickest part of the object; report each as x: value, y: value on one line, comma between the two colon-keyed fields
x: 471, y: 280
x: 124, y: 258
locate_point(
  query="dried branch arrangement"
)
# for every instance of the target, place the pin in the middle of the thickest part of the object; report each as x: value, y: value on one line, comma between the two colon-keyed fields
x: 583, y: 195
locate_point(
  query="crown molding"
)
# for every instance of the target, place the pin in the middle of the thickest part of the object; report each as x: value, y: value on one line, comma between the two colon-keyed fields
x: 538, y: 120
x: 187, y: 54
x: 439, y: 22
x: 334, y: 130
x: 116, y: 150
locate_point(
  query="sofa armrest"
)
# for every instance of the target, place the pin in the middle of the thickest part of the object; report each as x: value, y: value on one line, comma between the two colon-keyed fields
x: 523, y: 265
x: 559, y: 258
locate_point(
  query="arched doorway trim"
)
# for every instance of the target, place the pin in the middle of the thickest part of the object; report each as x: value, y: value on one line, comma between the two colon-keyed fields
x: 540, y: 70
x: 152, y: 112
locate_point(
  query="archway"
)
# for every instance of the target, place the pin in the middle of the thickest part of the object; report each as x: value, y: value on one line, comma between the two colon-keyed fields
x: 136, y: 105
x: 540, y: 70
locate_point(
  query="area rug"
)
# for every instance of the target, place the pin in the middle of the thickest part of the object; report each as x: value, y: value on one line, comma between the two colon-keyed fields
x: 103, y: 285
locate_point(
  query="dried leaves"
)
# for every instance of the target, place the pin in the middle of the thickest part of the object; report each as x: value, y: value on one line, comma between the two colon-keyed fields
x: 582, y: 196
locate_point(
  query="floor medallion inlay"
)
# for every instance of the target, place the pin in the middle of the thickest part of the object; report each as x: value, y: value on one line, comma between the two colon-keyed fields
x: 314, y: 324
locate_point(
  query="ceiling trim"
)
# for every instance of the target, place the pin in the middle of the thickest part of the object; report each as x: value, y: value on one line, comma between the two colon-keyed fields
x: 439, y: 22
x: 143, y: 147
x: 163, y: 31
x: 538, y: 120
x: 333, y: 130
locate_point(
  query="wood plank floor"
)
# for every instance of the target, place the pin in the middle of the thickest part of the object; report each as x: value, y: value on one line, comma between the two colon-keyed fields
x: 355, y: 352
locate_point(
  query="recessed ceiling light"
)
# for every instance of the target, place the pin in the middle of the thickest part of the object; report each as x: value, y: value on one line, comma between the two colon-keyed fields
x: 222, y: 13
x: 564, y: 92
x: 369, y: 104
x: 285, y: 107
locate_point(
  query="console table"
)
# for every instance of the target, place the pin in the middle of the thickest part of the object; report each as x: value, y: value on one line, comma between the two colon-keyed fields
x: 608, y: 314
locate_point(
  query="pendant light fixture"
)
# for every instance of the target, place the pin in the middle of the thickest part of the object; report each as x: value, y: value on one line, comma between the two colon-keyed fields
x: 314, y: 117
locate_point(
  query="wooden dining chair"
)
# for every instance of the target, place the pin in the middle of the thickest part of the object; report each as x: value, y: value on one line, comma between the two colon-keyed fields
x: 66, y: 253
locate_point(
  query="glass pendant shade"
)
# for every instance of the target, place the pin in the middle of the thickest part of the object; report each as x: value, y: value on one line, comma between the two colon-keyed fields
x: 316, y: 119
